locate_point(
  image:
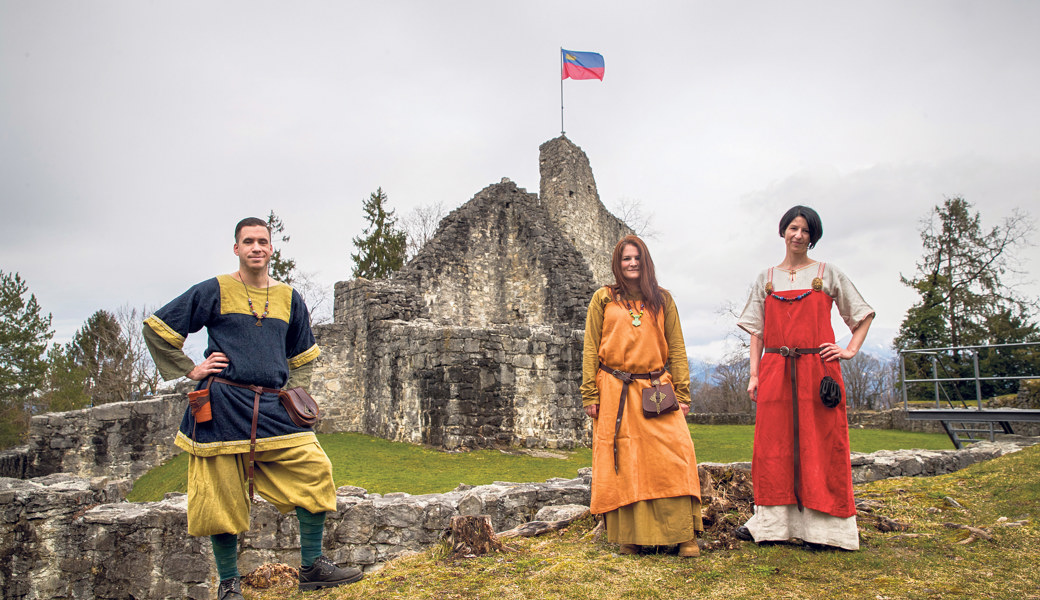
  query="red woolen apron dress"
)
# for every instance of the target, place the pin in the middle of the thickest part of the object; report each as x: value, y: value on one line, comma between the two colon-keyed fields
x: 800, y: 319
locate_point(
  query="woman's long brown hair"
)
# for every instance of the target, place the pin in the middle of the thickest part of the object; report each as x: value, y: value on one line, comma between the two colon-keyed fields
x: 653, y: 297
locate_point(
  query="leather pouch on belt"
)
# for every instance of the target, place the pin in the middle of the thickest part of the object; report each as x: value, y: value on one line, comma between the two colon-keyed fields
x: 659, y: 398
x: 302, y: 408
x: 199, y: 403
x: 830, y: 392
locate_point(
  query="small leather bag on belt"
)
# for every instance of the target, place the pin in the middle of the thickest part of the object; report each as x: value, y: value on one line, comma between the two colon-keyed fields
x: 659, y: 398
x: 302, y: 409
x: 198, y: 400
x: 830, y: 392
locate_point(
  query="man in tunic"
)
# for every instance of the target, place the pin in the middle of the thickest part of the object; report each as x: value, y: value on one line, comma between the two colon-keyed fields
x: 260, y: 342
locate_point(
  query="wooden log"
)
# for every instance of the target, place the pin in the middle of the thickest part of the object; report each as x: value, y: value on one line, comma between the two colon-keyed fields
x: 533, y: 528
x: 474, y: 536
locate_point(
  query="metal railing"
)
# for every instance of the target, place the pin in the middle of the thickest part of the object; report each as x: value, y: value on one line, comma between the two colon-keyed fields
x: 956, y: 408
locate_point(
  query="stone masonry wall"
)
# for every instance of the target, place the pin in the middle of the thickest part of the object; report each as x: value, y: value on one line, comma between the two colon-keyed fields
x: 501, y: 259
x: 476, y: 343
x: 568, y: 192
x: 117, y: 440
x: 67, y: 537
x: 453, y: 387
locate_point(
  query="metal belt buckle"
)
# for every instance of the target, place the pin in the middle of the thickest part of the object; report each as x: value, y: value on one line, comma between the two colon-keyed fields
x: 785, y: 351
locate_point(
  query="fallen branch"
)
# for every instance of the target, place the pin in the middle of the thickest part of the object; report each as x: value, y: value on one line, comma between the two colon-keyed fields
x: 533, y: 528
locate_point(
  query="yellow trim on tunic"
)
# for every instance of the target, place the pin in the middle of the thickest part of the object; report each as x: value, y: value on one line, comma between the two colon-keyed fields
x: 165, y: 331
x: 242, y: 446
x: 304, y: 357
x: 235, y: 300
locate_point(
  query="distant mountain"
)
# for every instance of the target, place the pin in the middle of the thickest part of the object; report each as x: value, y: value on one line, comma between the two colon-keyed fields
x: 700, y: 370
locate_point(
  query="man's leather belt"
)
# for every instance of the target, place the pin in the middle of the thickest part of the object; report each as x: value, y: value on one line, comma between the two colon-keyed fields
x: 257, y: 390
x: 792, y: 354
x: 626, y: 378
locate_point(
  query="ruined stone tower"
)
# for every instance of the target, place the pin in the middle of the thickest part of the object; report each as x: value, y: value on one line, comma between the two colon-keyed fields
x: 568, y: 192
x: 477, y: 341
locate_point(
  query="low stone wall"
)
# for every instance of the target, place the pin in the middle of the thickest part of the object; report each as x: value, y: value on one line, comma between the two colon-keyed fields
x: 67, y: 537
x: 117, y: 440
x: 721, y: 418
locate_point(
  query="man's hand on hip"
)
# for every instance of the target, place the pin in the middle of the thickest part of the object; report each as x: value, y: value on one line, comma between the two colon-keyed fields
x: 214, y: 363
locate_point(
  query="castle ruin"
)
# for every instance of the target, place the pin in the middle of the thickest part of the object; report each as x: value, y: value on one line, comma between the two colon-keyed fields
x: 477, y: 341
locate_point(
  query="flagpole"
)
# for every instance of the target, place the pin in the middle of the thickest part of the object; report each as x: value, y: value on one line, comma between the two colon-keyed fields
x: 562, y: 132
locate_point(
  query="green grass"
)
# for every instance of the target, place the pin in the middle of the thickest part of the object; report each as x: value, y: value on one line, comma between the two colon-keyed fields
x: 381, y: 466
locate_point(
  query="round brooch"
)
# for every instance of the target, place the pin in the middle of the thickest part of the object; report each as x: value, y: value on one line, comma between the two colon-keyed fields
x: 769, y: 287
x: 817, y: 284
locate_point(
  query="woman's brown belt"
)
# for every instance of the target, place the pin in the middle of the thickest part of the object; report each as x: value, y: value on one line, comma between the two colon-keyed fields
x: 626, y: 378
x: 257, y: 390
x: 792, y: 354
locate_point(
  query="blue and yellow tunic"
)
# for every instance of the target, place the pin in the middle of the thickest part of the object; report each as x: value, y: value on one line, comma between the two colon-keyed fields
x: 257, y: 355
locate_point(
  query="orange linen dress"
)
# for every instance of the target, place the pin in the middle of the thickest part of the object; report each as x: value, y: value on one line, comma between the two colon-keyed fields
x: 655, y: 491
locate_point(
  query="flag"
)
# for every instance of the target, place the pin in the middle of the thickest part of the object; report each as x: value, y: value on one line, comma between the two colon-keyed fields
x: 582, y: 65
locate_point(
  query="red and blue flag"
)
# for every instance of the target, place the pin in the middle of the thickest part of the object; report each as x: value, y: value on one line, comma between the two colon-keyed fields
x: 582, y: 65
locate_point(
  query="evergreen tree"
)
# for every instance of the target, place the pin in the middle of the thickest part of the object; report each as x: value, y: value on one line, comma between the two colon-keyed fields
x: 381, y: 247
x: 101, y: 349
x: 964, y: 300
x: 960, y: 281
x: 24, y: 335
x: 281, y: 269
x: 64, y: 387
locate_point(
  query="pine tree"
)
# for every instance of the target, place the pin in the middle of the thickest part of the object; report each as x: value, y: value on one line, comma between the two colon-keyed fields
x: 24, y: 335
x: 965, y: 300
x: 103, y: 351
x: 64, y: 386
x: 960, y: 281
x: 381, y: 247
x: 281, y: 269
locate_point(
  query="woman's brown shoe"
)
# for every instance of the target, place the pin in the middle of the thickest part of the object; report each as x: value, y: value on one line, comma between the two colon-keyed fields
x: 629, y: 549
x: 689, y: 549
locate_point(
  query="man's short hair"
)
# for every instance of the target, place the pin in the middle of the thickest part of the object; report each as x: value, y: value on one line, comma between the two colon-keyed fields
x: 251, y: 222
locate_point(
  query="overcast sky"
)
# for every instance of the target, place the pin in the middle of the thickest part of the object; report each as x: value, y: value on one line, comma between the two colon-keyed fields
x: 133, y: 135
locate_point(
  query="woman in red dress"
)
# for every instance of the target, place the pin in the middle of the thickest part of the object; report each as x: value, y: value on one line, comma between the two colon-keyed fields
x: 801, y: 468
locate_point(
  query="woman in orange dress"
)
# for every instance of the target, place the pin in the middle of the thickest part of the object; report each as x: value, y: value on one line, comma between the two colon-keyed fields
x: 800, y: 468
x: 644, y: 470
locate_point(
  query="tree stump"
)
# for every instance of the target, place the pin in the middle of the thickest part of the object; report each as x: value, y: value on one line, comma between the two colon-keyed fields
x: 474, y: 536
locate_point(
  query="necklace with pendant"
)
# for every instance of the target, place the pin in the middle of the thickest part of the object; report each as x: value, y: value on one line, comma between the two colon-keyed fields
x: 636, y: 318
x: 267, y: 303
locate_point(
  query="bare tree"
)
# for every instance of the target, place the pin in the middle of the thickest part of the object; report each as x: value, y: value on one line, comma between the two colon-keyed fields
x: 144, y: 377
x: 731, y: 378
x: 420, y: 224
x: 316, y: 296
x: 630, y: 210
x: 862, y: 377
